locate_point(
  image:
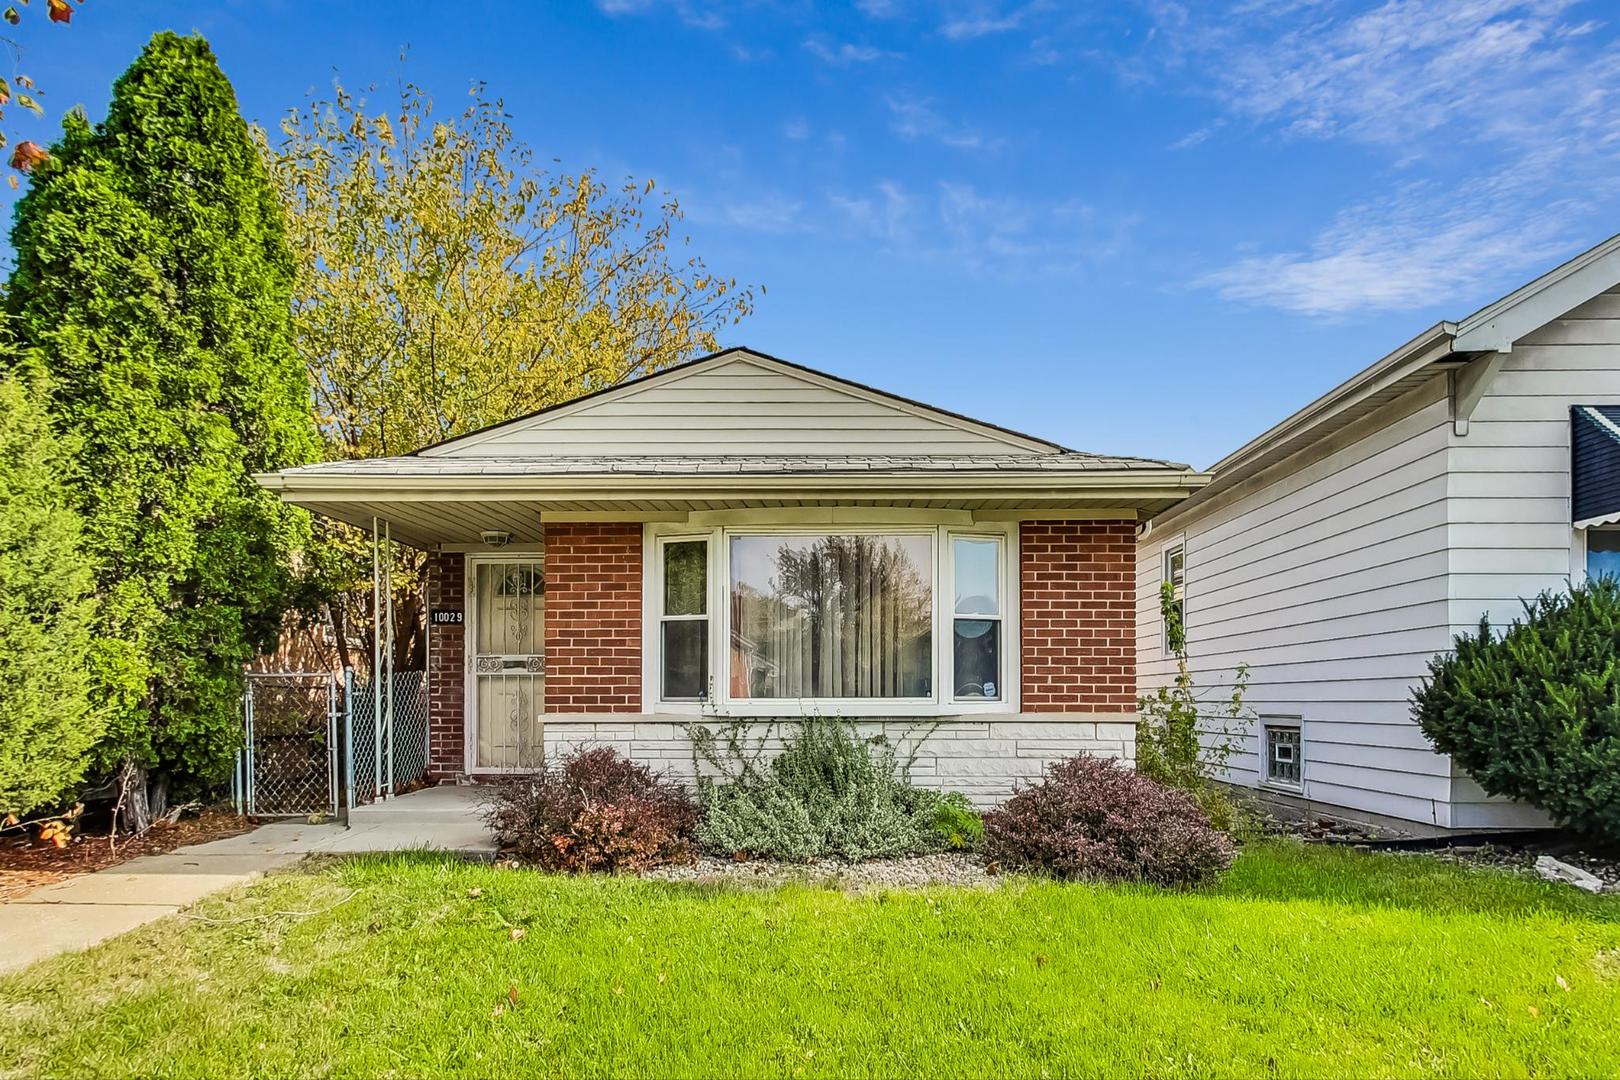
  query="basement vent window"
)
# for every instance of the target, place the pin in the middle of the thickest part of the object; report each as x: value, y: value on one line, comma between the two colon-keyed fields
x: 1283, y: 758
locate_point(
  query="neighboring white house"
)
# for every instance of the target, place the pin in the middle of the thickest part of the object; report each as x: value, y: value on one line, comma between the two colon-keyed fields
x: 1338, y: 551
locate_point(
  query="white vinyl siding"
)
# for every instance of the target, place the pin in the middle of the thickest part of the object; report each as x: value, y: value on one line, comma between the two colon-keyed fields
x: 1510, y: 532
x: 1328, y: 578
x: 1337, y: 577
x: 739, y: 406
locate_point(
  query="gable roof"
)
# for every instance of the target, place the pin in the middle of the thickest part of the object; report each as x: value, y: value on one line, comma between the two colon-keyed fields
x: 739, y: 401
x: 1479, y: 339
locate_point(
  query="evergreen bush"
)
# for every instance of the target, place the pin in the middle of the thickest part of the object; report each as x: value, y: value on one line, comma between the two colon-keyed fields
x: 46, y: 724
x: 1533, y: 713
x: 830, y: 793
x: 154, y: 287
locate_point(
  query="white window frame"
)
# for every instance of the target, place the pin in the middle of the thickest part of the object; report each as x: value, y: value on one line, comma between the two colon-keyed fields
x: 946, y: 591
x: 940, y: 703
x: 1281, y: 723
x: 660, y: 618
x: 1581, y: 549
x: 1180, y: 544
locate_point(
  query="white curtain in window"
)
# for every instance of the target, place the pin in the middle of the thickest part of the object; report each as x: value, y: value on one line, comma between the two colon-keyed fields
x: 832, y: 616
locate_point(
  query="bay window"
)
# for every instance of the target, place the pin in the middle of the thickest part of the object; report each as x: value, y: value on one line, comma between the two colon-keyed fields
x: 774, y: 620
x: 831, y: 616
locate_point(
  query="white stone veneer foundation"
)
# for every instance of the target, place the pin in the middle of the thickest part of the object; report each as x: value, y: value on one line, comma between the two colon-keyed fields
x: 981, y: 757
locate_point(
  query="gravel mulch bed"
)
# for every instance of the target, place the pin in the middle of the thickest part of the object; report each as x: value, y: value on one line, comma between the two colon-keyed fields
x: 904, y: 873
x: 1522, y: 859
x: 1505, y: 854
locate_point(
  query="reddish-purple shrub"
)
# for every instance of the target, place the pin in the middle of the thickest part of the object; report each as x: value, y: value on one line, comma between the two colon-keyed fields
x: 596, y: 811
x: 1094, y: 819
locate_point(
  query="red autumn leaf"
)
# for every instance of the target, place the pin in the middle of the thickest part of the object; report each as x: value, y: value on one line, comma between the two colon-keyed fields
x: 28, y: 155
x: 61, y: 11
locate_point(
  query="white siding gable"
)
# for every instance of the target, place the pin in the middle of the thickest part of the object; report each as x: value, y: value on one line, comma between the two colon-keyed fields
x: 739, y: 403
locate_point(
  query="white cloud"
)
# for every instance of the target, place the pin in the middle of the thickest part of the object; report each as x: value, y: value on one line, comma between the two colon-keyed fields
x: 914, y: 118
x: 1197, y: 136
x: 842, y: 54
x: 1426, y: 244
x: 982, y: 21
x: 700, y: 16
x: 958, y: 224
x: 1498, y: 120
x: 796, y: 129
x: 881, y: 9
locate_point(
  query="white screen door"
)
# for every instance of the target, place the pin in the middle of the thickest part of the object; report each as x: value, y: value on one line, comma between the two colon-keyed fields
x: 508, y: 663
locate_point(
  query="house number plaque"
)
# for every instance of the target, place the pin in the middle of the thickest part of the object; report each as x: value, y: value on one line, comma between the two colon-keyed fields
x: 448, y: 617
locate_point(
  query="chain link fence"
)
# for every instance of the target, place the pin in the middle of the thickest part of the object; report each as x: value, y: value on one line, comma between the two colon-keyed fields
x: 304, y: 732
x: 386, y: 759
x: 288, y: 763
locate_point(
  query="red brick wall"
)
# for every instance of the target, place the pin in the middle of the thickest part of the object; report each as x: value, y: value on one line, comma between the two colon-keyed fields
x: 593, y: 617
x: 1078, y: 615
x: 447, y: 668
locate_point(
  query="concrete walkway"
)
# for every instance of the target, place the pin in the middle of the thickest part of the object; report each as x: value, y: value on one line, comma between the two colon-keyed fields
x: 88, y: 909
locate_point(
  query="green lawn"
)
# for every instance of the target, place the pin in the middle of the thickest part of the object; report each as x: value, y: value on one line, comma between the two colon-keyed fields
x: 1304, y: 961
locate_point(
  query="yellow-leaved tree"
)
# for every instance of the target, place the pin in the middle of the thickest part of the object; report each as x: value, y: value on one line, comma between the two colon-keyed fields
x: 450, y: 280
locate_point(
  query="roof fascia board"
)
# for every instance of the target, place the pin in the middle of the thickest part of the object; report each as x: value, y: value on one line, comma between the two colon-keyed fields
x: 1431, y: 345
x: 1215, y: 497
x: 1495, y: 327
x: 479, y: 488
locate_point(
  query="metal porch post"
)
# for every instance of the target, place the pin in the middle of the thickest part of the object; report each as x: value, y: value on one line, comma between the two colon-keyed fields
x: 388, y: 655
x: 376, y: 659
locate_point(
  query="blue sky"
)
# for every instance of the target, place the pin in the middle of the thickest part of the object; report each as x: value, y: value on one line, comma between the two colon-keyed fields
x: 1150, y: 228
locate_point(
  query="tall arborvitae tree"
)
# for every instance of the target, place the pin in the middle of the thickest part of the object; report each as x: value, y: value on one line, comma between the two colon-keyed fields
x: 46, y: 724
x: 154, y: 288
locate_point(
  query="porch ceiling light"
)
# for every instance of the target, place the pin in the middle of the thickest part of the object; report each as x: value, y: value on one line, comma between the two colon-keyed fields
x: 496, y: 539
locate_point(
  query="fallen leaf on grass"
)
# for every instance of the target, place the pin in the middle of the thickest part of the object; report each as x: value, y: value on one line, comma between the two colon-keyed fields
x: 516, y: 933
x: 474, y: 893
x: 1533, y: 1010
x: 662, y: 977
x: 1563, y: 983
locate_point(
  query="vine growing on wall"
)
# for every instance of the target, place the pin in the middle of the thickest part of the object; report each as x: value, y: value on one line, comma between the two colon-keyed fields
x: 1186, y: 736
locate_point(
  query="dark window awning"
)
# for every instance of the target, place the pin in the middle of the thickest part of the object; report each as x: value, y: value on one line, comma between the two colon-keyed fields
x: 1594, y: 467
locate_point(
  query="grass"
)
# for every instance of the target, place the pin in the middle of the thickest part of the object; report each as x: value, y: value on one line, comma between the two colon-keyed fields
x: 1303, y: 961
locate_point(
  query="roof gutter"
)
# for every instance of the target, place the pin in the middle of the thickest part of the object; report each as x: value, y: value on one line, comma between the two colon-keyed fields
x: 1434, y: 345
x: 295, y: 487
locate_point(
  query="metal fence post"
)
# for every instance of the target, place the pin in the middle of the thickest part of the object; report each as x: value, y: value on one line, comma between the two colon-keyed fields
x: 348, y: 740
x: 332, y: 741
x: 247, y: 714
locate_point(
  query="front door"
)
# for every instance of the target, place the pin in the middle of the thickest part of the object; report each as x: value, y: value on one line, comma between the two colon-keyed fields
x: 508, y: 663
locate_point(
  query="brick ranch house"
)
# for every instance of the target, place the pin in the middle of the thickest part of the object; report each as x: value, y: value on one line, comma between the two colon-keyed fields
x: 742, y: 537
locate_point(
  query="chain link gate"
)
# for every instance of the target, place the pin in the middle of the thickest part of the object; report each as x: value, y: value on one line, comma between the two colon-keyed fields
x: 388, y: 758
x: 288, y: 764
